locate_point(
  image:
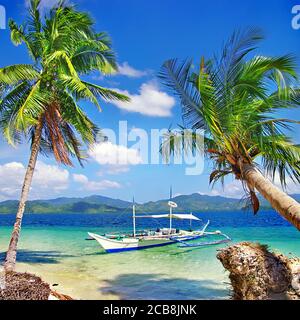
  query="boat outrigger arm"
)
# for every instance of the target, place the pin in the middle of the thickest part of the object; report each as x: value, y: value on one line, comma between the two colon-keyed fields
x: 158, y: 238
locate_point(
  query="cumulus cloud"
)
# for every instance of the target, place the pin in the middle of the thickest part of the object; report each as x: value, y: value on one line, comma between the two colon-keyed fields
x: 80, y: 178
x: 107, y: 153
x: 95, y: 185
x: 50, y: 176
x: 150, y: 101
x: 114, y: 159
x: 235, y: 189
x: 126, y: 70
x: 47, y: 179
x: 11, y: 175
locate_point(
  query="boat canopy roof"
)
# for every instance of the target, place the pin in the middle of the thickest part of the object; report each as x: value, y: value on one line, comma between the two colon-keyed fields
x: 183, y: 216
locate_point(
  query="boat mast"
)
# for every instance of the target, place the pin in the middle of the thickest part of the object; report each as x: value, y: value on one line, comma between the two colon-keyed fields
x: 171, y: 210
x: 133, y: 218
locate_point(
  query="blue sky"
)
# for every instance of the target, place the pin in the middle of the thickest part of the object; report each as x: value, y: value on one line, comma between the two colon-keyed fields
x: 144, y: 35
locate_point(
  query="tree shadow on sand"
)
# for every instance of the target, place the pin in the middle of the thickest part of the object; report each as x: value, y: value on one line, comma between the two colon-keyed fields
x: 155, y: 286
x: 42, y: 257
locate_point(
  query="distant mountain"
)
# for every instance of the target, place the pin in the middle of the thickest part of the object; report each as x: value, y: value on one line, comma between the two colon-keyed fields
x: 91, y: 204
x: 100, y: 204
x: 194, y: 202
x: 95, y: 199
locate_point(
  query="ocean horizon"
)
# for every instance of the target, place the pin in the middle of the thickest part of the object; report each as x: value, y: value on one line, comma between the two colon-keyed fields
x: 54, y: 246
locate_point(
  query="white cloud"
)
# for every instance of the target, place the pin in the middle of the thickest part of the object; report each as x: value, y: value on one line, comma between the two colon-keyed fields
x: 114, y: 169
x: 95, y: 185
x: 177, y: 195
x: 11, y: 175
x: 150, y: 101
x: 126, y: 70
x: 107, y: 153
x: 117, y: 169
x: 114, y: 159
x: 235, y: 189
x: 291, y: 186
x: 47, y: 180
x: 49, y: 176
x: 80, y: 178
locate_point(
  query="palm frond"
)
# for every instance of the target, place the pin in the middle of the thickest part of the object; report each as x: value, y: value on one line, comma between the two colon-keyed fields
x: 73, y: 115
x: 176, y: 76
x: 79, y: 89
x: 280, y: 156
x: 31, y: 109
x: 63, y: 45
x: 94, y: 55
x: 235, y: 100
x: 104, y: 93
x: 181, y: 142
x: 16, y: 73
x: 241, y: 43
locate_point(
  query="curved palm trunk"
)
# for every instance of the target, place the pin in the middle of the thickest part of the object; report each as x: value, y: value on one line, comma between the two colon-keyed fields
x: 11, y: 255
x: 279, y: 200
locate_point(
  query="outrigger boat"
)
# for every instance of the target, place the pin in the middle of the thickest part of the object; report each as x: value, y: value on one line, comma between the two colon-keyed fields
x: 113, y: 243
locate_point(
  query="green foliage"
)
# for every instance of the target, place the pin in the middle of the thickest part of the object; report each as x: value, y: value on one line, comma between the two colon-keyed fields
x: 234, y: 98
x: 98, y: 204
x: 64, y: 47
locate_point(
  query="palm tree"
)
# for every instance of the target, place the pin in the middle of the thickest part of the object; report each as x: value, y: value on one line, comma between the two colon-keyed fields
x: 41, y: 100
x: 233, y: 99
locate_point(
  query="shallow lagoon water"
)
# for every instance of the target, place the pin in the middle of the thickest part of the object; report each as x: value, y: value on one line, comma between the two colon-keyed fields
x: 54, y: 247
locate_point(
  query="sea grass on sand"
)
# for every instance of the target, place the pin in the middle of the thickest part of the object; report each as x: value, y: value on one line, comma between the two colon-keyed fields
x: 258, y: 274
x: 24, y: 286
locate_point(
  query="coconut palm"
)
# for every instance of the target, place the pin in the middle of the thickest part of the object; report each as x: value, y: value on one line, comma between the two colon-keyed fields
x: 234, y: 99
x: 41, y: 100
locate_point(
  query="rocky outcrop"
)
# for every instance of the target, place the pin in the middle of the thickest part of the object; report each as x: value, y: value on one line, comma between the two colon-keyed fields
x: 258, y: 274
x: 24, y: 286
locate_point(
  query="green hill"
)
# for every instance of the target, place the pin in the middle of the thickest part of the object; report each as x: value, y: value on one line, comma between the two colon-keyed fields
x: 98, y: 204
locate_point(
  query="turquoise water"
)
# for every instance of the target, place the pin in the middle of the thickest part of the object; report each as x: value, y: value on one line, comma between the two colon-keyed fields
x: 54, y: 247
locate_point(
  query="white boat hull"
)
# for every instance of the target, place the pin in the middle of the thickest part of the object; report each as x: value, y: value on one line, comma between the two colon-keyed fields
x: 126, y: 244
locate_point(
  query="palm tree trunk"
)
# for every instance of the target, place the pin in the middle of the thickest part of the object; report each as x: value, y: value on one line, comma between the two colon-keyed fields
x: 11, y: 254
x: 279, y: 200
